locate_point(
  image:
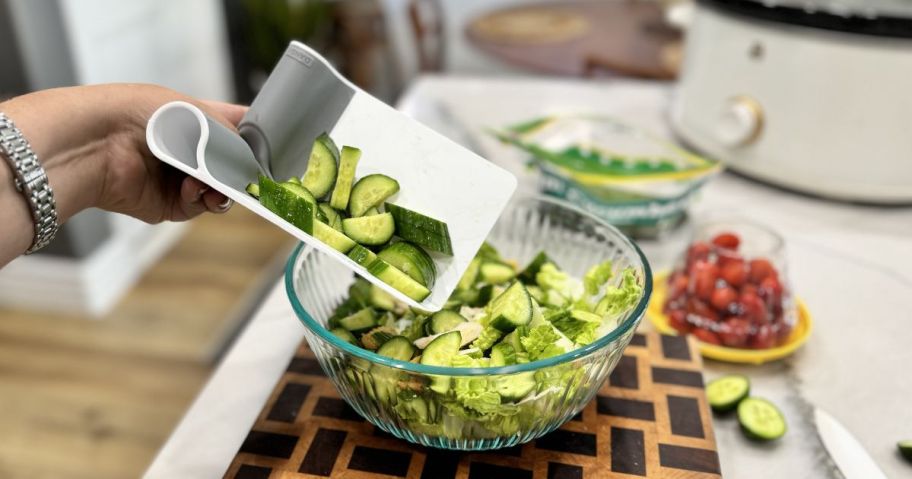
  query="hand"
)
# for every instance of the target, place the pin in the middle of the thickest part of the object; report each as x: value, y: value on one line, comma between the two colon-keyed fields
x: 92, y: 142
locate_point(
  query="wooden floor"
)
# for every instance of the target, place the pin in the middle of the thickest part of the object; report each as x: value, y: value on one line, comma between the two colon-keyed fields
x: 82, y: 398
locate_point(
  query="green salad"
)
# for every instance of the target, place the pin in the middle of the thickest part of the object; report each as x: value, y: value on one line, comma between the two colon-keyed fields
x: 499, y: 315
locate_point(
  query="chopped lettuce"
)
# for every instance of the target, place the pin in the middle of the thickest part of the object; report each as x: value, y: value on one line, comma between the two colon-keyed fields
x: 619, y: 299
x: 541, y: 342
x: 580, y: 326
x: 596, y: 277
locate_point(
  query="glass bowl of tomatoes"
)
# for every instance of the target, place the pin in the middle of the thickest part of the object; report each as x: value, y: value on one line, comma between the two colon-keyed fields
x: 730, y: 287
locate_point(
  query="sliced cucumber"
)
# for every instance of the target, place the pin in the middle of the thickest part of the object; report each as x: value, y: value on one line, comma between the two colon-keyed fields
x: 760, y: 419
x: 412, y: 260
x: 512, y: 309
x: 362, y: 320
x: 528, y: 274
x: 726, y: 392
x: 515, y: 387
x: 488, y: 252
x: 322, y: 166
x: 290, y: 207
x: 294, y: 180
x: 513, y: 340
x: 397, y: 347
x: 371, y: 191
x: 399, y: 280
x: 496, y: 273
x: 361, y: 255
x: 443, y: 321
x: 440, y: 352
x: 421, y: 230
x: 344, y: 335
x: 905, y: 448
x: 348, y: 163
x: 299, y: 191
x: 253, y: 190
x: 483, y: 297
x: 370, y: 230
x: 503, y: 354
x: 332, y: 238
x: 376, y: 337
x: 536, y: 292
x: 469, y: 278
x: 333, y: 217
x: 372, y: 212
x: 381, y: 299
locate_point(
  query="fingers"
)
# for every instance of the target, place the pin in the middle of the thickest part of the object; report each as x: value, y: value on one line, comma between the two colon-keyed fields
x: 216, y: 202
x: 228, y: 111
x: 196, y: 198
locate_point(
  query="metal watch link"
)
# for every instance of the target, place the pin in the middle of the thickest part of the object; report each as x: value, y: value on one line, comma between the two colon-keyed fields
x: 31, y: 181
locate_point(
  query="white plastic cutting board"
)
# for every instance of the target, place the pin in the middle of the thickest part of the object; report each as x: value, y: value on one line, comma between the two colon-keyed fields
x: 304, y: 97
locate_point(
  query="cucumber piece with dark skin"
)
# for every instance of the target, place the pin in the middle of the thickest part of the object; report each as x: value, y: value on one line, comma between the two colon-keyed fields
x: 760, y: 419
x: 512, y: 309
x: 724, y: 393
x: 370, y: 230
x: 905, y: 448
x: 412, y: 260
x: 290, y: 207
x: 422, y: 230
x: 370, y: 192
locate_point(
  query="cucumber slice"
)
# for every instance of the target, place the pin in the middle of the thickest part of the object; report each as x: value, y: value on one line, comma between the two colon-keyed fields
x: 362, y: 320
x: 294, y: 180
x: 483, y: 297
x: 488, y: 252
x: 905, y: 448
x: 348, y: 163
x: 300, y: 192
x: 322, y: 166
x: 496, y: 273
x: 470, y: 277
x: 760, y: 419
x: 397, y: 347
x: 372, y: 212
x: 333, y: 218
x: 376, y: 337
x: 440, y: 352
x: 332, y: 238
x: 253, y: 190
x: 421, y: 230
x: 443, y: 321
x: 513, y: 340
x: 515, y: 387
x: 535, y: 291
x: 412, y: 260
x: 399, y: 280
x: 370, y: 230
x: 381, y: 299
x: 503, y: 354
x: 344, y: 335
x: 290, y: 207
x: 512, y: 309
x: 726, y: 392
x: 361, y: 255
x: 369, y: 192
x: 528, y: 274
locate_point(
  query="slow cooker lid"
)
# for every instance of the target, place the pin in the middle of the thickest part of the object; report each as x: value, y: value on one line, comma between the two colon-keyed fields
x: 883, y: 18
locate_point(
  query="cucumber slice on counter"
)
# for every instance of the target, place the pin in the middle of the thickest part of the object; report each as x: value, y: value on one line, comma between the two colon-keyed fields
x: 496, y: 273
x: 332, y: 238
x: 512, y: 309
x: 399, y: 280
x: 361, y: 255
x: 289, y: 206
x: 443, y: 321
x: 905, y: 448
x: 348, y: 163
x: 412, y: 260
x: 333, y: 217
x: 760, y: 419
x: 362, y: 320
x: 344, y: 335
x: 322, y: 166
x: 726, y: 392
x: 440, y: 352
x: 370, y: 230
x: 397, y: 347
x: 253, y: 190
x: 421, y: 230
x: 369, y: 192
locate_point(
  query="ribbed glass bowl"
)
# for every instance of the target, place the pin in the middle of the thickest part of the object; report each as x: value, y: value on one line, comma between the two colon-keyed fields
x: 393, y: 395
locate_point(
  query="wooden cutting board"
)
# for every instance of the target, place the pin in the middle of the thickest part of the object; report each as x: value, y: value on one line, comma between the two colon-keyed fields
x: 650, y: 419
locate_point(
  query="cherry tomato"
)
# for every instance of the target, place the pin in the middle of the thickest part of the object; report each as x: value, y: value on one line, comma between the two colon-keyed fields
x: 706, y: 336
x: 724, y: 257
x: 722, y: 298
x: 701, y: 309
x: 703, y: 279
x: 727, y: 241
x: 678, y: 319
x: 770, y: 289
x: 697, y: 251
x: 763, y: 338
x: 754, y: 308
x: 677, y: 284
x: 734, y: 273
x: 734, y: 332
x: 759, y: 269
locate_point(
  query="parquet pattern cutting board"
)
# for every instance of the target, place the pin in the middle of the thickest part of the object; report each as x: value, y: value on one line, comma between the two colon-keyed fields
x: 650, y: 419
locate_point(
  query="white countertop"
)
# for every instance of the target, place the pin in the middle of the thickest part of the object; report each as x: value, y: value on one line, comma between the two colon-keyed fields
x: 852, y: 265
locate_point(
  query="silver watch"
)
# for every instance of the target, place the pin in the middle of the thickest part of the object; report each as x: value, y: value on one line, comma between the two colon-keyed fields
x: 31, y: 181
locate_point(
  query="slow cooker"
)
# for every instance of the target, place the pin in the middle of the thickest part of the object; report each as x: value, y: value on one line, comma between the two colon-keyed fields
x: 814, y: 96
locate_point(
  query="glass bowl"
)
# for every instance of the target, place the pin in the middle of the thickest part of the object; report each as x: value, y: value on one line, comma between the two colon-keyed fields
x: 632, y: 179
x: 730, y: 287
x: 394, y: 396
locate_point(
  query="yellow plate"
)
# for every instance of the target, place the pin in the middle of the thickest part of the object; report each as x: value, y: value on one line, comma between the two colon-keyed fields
x: 799, y: 334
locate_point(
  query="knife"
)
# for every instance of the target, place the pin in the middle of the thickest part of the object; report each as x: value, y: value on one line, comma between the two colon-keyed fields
x: 848, y: 454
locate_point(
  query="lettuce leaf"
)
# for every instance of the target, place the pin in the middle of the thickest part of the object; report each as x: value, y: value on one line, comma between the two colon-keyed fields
x: 540, y: 342
x: 579, y: 326
x: 619, y: 299
x: 596, y: 277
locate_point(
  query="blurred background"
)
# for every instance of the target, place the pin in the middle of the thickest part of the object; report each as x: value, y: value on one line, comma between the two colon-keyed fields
x: 107, y: 335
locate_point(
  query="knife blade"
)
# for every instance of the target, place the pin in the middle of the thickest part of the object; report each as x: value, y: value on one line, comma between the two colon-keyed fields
x: 849, y: 455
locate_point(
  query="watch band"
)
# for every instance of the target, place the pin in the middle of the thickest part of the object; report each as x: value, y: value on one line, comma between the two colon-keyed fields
x: 31, y: 181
